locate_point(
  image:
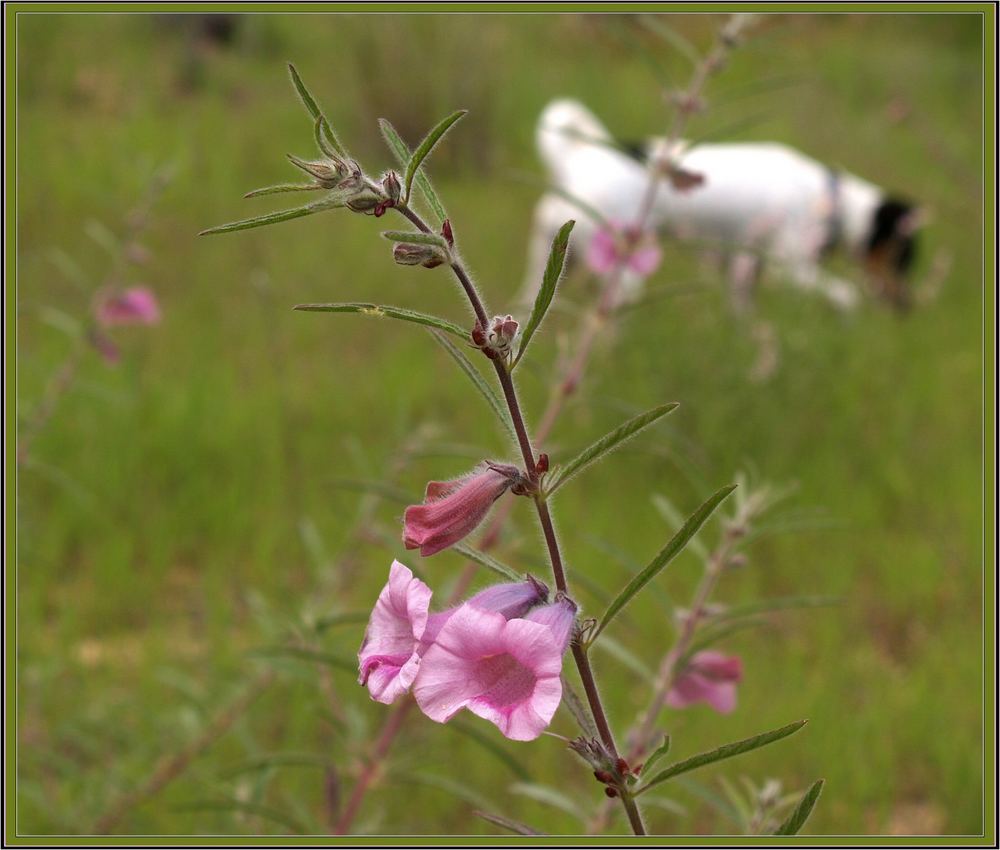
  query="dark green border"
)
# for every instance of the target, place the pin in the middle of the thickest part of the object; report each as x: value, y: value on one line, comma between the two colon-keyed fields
x: 988, y: 839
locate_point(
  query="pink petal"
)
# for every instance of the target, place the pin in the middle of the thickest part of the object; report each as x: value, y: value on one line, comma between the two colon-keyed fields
x: 448, y: 679
x: 716, y: 665
x: 388, y: 659
x: 442, y: 522
x: 644, y: 261
x: 602, y: 252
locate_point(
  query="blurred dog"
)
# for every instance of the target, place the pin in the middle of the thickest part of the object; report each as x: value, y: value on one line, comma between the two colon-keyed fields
x: 751, y: 202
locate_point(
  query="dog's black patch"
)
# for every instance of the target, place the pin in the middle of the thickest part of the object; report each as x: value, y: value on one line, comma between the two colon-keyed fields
x: 886, y: 228
x: 635, y: 150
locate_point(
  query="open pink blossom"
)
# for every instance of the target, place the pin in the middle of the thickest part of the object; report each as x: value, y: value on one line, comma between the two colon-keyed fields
x: 618, y: 244
x: 708, y: 677
x: 134, y: 306
x: 505, y: 671
x: 388, y: 658
x: 401, y: 628
x: 453, y: 509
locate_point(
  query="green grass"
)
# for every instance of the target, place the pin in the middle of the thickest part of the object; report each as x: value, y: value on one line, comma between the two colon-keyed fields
x: 165, y: 539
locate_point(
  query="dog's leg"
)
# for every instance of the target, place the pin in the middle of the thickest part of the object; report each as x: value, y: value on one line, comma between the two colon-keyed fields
x: 806, y: 275
x: 743, y: 273
x: 551, y: 213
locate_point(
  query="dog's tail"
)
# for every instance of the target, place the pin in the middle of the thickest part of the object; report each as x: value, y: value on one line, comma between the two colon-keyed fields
x: 564, y: 127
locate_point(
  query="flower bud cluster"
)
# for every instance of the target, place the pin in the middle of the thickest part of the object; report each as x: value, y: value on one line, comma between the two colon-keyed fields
x: 496, y: 341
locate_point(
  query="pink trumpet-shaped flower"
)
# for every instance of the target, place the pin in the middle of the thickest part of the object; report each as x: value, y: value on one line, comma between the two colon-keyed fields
x: 708, y: 677
x: 401, y: 628
x: 616, y: 244
x: 453, y: 509
x: 388, y: 659
x: 505, y: 671
x: 134, y: 306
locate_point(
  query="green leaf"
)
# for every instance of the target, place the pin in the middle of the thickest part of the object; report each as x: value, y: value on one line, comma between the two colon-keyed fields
x: 493, y: 747
x: 283, y: 187
x: 425, y: 147
x: 575, y: 706
x: 797, y: 819
x: 416, y: 237
x: 549, y: 796
x: 401, y: 151
x: 456, y: 788
x: 300, y: 653
x: 664, y: 556
x: 553, y: 271
x: 724, y: 752
x: 506, y: 823
x: 668, y: 510
x: 328, y: 203
x: 278, y: 760
x: 487, y: 561
x: 608, y: 443
x: 657, y: 754
x: 315, y: 111
x: 474, y: 375
x: 278, y: 816
x: 655, y: 25
x: 380, y: 311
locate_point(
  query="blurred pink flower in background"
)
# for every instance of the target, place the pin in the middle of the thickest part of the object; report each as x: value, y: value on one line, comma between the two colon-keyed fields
x: 505, y: 671
x: 453, y: 509
x: 616, y: 244
x: 136, y: 305
x: 709, y: 677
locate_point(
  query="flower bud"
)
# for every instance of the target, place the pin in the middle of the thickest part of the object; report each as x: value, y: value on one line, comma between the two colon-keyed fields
x: 502, y: 332
x: 560, y: 617
x: 428, y: 256
x: 364, y: 202
x: 328, y: 173
x: 610, y: 792
x: 391, y: 186
x: 448, y: 233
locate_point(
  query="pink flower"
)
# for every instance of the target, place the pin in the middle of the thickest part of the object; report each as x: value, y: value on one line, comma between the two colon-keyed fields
x: 401, y: 628
x: 388, y: 659
x: 708, y: 677
x: 134, y: 306
x: 505, y: 671
x: 453, y: 509
x: 617, y: 244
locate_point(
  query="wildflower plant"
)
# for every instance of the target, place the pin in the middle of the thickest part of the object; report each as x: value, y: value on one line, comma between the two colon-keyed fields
x: 500, y: 654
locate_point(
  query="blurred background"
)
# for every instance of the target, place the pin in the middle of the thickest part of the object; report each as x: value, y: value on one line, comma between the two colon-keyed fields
x: 185, y: 510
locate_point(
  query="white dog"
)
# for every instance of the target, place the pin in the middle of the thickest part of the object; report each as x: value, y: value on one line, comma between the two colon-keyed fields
x: 757, y: 201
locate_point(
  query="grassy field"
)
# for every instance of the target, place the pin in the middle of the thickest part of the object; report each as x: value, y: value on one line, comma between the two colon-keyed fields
x: 187, y: 508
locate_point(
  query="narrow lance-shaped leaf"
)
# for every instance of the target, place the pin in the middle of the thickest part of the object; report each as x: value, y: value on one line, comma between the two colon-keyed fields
x: 608, y: 443
x: 401, y: 151
x: 800, y: 814
x: 425, y: 147
x: 550, y: 796
x: 724, y: 752
x: 487, y: 561
x: 381, y: 311
x: 664, y: 556
x: 477, y: 379
x: 506, y: 823
x: 310, y: 103
x: 553, y: 271
x: 415, y: 237
x: 283, y: 187
x: 657, y: 754
x: 279, y: 216
x: 574, y: 705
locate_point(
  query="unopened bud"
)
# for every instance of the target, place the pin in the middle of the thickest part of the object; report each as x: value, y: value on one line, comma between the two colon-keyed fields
x: 391, y: 186
x: 364, y: 202
x: 478, y: 336
x: 448, y: 233
x: 622, y: 766
x: 603, y: 776
x: 542, y: 465
x: 428, y: 256
x: 502, y: 332
x: 610, y: 792
x: 328, y: 173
